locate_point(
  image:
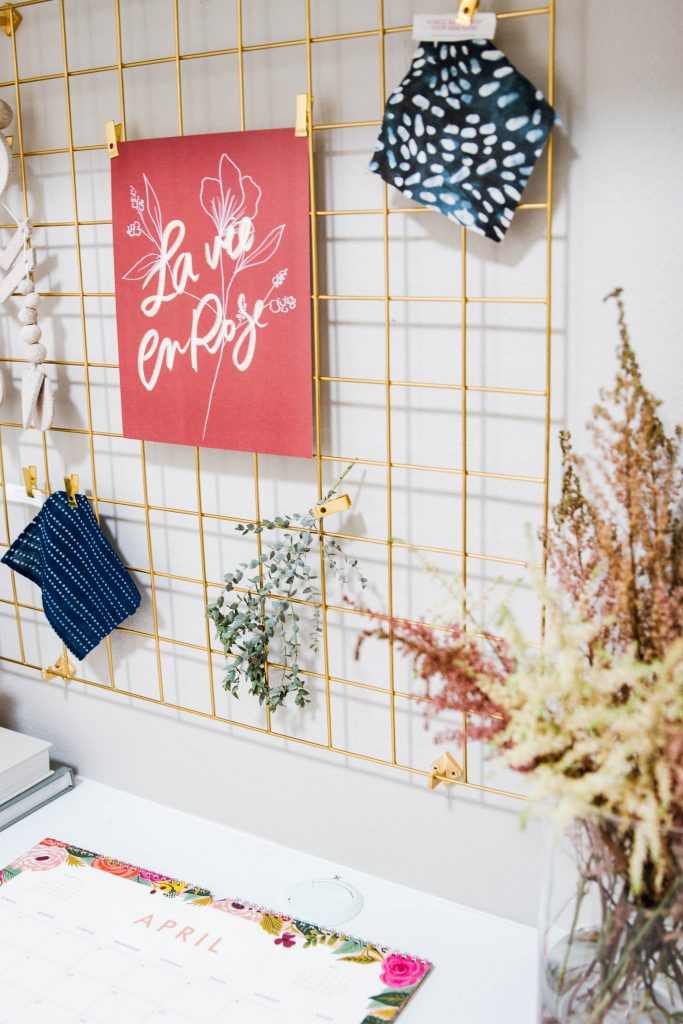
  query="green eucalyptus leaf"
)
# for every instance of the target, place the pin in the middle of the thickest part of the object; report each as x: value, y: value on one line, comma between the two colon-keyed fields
x: 266, y: 610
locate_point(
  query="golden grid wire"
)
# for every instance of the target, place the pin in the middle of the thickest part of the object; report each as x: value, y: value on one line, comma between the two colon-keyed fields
x: 464, y: 471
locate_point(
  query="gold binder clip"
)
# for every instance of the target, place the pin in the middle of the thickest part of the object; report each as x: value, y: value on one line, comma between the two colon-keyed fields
x: 112, y: 134
x: 304, y: 102
x: 62, y: 669
x: 10, y: 19
x: 326, y: 508
x: 467, y: 9
x: 445, y: 769
x: 71, y: 488
x: 30, y: 480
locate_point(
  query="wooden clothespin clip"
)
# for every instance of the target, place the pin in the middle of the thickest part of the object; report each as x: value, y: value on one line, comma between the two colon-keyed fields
x: 10, y: 19
x: 71, y: 488
x: 466, y: 11
x: 62, y: 669
x: 326, y: 508
x: 30, y: 480
x: 445, y: 769
x: 302, y: 125
x: 112, y: 134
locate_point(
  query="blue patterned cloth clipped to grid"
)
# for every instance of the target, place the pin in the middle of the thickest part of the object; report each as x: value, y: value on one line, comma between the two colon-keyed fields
x: 461, y: 134
x: 86, y: 589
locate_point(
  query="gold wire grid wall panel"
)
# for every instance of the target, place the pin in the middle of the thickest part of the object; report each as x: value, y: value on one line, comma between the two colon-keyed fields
x: 389, y: 309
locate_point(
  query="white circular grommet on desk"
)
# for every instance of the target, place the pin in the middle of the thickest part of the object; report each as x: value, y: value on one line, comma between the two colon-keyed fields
x: 328, y: 901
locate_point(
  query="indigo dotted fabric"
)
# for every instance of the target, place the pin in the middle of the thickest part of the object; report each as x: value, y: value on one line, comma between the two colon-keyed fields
x: 86, y: 589
x: 461, y: 134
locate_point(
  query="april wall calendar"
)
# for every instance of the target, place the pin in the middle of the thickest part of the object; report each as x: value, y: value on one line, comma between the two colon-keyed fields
x: 86, y: 939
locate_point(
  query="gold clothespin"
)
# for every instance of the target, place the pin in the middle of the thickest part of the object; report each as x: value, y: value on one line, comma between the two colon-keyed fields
x: 71, y: 488
x: 62, y: 668
x: 112, y: 134
x: 304, y: 103
x: 326, y: 508
x: 466, y: 11
x: 445, y: 769
x: 10, y: 19
x: 10, y: 140
x: 30, y: 479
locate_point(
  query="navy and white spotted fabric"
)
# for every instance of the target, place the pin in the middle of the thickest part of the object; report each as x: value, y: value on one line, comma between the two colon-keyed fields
x: 86, y: 589
x: 462, y: 133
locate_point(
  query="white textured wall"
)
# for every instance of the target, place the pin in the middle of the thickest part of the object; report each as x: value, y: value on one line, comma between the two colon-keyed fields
x: 618, y: 221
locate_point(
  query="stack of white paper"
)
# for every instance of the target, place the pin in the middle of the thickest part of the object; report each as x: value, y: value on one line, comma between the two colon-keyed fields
x: 24, y: 761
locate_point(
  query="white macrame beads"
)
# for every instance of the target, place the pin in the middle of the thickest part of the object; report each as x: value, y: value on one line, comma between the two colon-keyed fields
x: 37, y: 353
x: 27, y: 316
x: 6, y: 115
x: 18, y: 259
x: 37, y: 400
x: 31, y: 334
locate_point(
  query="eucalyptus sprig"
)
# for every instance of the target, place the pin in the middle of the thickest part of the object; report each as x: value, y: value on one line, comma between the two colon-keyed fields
x: 259, y: 605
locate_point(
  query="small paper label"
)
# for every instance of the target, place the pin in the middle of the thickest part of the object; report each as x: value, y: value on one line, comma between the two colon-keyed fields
x: 435, y: 28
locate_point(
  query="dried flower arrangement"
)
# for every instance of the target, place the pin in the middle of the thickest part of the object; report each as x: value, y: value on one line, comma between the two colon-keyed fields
x: 595, y: 719
x: 248, y: 618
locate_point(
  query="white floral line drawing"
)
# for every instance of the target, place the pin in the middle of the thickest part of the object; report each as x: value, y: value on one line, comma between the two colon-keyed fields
x: 231, y: 201
x: 229, y: 208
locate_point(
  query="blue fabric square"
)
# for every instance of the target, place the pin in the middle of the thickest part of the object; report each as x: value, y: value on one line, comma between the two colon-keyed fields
x: 462, y: 133
x: 86, y: 589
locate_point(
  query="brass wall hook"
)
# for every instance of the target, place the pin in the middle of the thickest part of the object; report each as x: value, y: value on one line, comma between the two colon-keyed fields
x: 71, y: 482
x: 10, y: 19
x: 112, y: 134
x: 62, y: 668
x: 445, y: 769
x: 30, y: 474
x: 327, y: 508
x: 304, y: 105
x: 71, y: 488
x: 467, y: 9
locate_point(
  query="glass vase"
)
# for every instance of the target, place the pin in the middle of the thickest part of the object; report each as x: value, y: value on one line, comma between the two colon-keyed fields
x: 610, y: 955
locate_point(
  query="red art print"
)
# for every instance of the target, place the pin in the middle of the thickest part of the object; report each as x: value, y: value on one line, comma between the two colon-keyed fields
x: 212, y: 264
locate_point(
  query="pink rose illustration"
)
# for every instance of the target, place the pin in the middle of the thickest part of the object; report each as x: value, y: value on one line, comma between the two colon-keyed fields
x: 41, y: 858
x: 402, y: 971
x: 243, y: 910
x: 152, y: 876
x: 115, y: 867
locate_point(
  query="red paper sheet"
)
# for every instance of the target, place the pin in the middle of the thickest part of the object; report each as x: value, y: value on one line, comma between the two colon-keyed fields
x: 212, y: 266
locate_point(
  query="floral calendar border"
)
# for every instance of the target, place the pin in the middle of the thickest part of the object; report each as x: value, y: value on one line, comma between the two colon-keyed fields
x: 400, y: 974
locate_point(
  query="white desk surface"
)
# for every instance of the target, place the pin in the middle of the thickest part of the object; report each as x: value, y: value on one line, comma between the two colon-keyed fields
x: 484, y: 966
